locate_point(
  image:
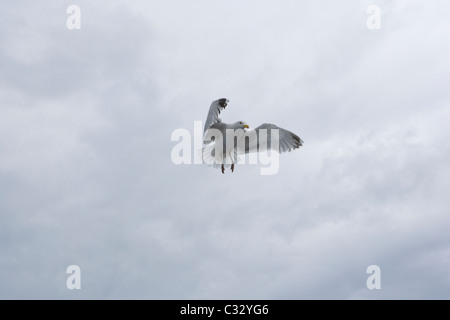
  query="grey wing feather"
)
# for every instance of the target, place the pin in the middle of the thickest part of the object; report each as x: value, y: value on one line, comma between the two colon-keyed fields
x: 254, y: 139
x: 214, y: 110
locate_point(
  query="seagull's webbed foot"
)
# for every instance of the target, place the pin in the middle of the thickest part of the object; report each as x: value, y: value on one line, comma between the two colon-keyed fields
x: 223, y: 169
x: 232, y: 167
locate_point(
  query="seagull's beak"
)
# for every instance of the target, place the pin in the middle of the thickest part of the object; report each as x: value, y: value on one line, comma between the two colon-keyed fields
x: 246, y: 126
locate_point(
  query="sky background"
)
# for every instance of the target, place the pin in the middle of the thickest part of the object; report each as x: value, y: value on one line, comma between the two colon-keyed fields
x: 86, y: 177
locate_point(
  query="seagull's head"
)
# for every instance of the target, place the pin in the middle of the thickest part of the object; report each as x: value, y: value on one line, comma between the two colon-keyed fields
x: 241, y: 125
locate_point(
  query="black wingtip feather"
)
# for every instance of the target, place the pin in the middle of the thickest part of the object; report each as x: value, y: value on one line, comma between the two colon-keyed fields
x: 223, y: 102
x: 299, y: 142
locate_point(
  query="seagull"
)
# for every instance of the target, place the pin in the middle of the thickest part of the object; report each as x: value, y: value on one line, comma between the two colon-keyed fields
x: 246, y: 140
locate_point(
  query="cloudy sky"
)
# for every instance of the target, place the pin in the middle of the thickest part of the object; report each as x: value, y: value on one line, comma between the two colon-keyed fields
x: 86, y: 176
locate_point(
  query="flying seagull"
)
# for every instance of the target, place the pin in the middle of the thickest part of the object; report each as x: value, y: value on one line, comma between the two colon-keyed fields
x: 241, y: 139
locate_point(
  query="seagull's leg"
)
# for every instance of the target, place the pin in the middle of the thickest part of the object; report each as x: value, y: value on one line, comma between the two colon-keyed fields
x: 223, y: 169
x: 232, y: 167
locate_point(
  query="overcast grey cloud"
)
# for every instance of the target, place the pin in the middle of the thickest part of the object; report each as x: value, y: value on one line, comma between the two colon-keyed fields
x: 86, y: 176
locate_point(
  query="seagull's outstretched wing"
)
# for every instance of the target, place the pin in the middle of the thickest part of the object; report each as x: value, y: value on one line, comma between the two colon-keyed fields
x: 214, y: 110
x: 254, y: 140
